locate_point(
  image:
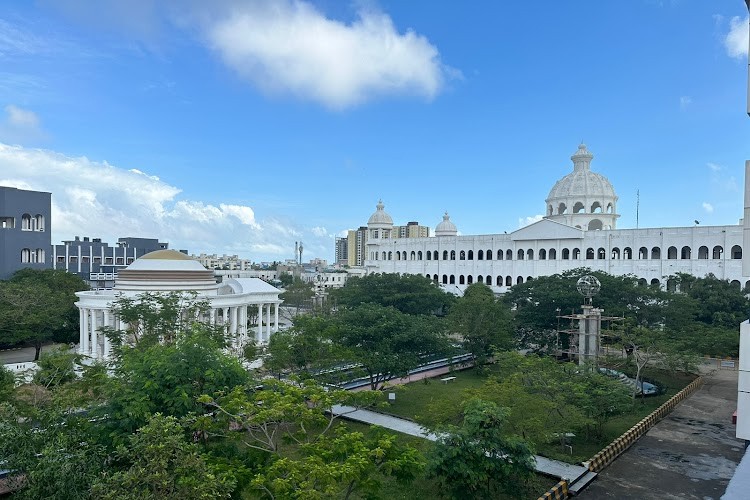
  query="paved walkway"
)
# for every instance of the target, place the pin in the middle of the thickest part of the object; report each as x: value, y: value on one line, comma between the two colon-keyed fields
x: 544, y: 465
x: 690, y: 454
x: 23, y: 354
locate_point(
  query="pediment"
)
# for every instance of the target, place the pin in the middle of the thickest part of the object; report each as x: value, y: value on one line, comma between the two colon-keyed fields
x: 546, y: 229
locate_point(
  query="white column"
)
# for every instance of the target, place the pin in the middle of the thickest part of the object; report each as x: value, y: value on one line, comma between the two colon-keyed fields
x: 107, y: 346
x: 259, y: 336
x: 85, y: 331
x: 94, y: 336
x: 80, y: 331
x: 212, y: 316
x: 268, y: 322
x: 276, y: 317
x: 224, y: 315
x: 232, y: 320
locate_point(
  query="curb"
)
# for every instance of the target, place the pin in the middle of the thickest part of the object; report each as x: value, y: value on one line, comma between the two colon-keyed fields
x: 557, y: 492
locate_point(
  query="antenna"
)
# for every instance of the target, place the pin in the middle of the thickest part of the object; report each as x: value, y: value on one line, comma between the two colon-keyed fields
x: 637, y: 206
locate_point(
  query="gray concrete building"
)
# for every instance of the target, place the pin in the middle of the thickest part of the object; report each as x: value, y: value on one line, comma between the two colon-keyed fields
x: 96, y: 262
x: 24, y: 229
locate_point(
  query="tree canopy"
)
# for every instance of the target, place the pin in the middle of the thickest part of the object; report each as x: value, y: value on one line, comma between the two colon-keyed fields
x: 37, y: 306
x: 409, y: 293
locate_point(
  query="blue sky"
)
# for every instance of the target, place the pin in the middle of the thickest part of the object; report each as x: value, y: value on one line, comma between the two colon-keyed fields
x: 242, y: 127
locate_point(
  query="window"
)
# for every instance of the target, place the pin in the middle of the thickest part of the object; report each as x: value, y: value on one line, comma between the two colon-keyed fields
x: 461, y: 280
x: 656, y: 253
x: 489, y: 280
x: 480, y: 279
x: 462, y: 255
x: 73, y: 260
x: 469, y: 279
x: 703, y: 252
x: 445, y: 254
x: 736, y: 252
x: 576, y: 253
x: 489, y: 254
x: 419, y: 255
x: 470, y: 256
x: 519, y: 280
x: 508, y: 255
x: 542, y: 254
x: 589, y: 253
x: 7, y: 222
x: 530, y: 254
x: 85, y: 259
x: 26, y: 222
x: 480, y: 254
x: 435, y: 255
x: 672, y: 253
x: 718, y: 252
x: 520, y: 254
x: 685, y: 253
x: 508, y: 281
x: 97, y: 260
x: 627, y: 253
x: 39, y: 257
x: 107, y: 260
x: 453, y: 280
x: 500, y: 254
x: 615, y: 253
x: 445, y: 279
x: 499, y: 281
x: 566, y: 254
x: 25, y: 255
x: 601, y: 254
x: 453, y: 255
x: 642, y: 253
x: 121, y: 260
x: 552, y: 254
x: 429, y: 255
x: 39, y: 222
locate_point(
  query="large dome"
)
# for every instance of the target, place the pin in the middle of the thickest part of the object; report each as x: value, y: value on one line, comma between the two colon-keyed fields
x: 583, y: 199
x: 582, y: 182
x: 165, y: 270
x: 380, y: 216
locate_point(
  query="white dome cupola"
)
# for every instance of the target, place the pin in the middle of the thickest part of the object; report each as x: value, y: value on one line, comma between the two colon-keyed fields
x: 380, y: 224
x: 583, y: 198
x: 446, y: 227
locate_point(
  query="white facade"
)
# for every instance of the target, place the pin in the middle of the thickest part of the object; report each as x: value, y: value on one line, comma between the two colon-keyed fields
x: 579, y: 231
x: 231, y: 302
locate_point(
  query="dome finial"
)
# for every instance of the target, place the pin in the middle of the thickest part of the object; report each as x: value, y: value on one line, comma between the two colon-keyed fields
x: 582, y: 158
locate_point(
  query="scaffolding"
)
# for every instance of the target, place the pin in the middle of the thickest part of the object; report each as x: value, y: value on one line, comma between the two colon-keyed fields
x: 579, y: 335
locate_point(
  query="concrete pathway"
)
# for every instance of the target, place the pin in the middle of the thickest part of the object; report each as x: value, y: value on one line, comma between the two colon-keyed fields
x: 554, y: 468
x: 23, y: 354
x: 690, y: 454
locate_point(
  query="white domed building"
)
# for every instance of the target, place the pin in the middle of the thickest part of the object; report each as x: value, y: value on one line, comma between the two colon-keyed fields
x: 172, y: 271
x: 578, y: 230
x: 583, y: 199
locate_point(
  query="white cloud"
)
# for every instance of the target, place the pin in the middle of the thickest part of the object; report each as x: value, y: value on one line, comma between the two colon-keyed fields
x: 708, y: 207
x: 736, y: 41
x: 289, y: 46
x: 685, y: 101
x: 525, y: 221
x: 100, y: 200
x: 714, y: 167
x: 20, y: 125
x: 319, y: 231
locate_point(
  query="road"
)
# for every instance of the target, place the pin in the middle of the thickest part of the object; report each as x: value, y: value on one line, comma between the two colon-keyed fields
x: 690, y: 454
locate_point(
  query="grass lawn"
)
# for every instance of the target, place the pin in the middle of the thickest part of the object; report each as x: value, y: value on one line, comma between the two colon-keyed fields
x: 414, y: 402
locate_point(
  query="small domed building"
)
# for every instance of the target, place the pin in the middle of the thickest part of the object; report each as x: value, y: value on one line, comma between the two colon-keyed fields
x: 172, y: 271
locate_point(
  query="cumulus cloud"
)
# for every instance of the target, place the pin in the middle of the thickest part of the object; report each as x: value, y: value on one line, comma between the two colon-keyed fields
x: 708, y: 207
x: 289, y: 46
x: 319, y: 231
x: 736, y: 41
x: 97, y: 199
x: 714, y: 167
x: 20, y: 125
x: 685, y: 101
x: 525, y: 221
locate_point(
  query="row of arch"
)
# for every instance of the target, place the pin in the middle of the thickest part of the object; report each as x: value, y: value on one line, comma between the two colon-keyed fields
x: 580, y: 208
x: 616, y: 253
x: 451, y: 279
x: 29, y: 256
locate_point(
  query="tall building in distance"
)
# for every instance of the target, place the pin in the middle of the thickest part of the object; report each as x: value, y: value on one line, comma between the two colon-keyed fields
x: 355, y: 246
x: 342, y: 251
x: 96, y: 262
x: 410, y: 230
x: 24, y: 229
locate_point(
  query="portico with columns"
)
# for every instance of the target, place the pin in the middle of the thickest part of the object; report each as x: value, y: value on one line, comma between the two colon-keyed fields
x: 231, y: 302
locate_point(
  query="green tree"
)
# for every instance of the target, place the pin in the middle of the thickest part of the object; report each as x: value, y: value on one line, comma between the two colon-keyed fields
x: 409, y: 293
x: 477, y: 459
x: 56, y: 367
x: 302, y: 349
x: 340, y: 466
x: 161, y: 464
x: 297, y: 294
x: 387, y: 343
x: 37, y: 306
x: 483, y: 322
x: 168, y: 378
x: 279, y: 412
x: 53, y: 454
x: 719, y: 303
x: 7, y: 384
